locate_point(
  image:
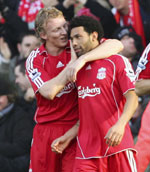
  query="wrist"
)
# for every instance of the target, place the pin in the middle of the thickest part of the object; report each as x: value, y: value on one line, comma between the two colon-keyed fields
x: 83, y: 59
x: 121, y: 122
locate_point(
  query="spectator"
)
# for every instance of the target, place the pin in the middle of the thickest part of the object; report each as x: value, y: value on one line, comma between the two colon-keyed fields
x: 66, y: 6
x: 145, y: 13
x: 28, y: 101
x: 5, y: 55
x: 12, y: 26
x: 15, y: 132
x: 127, y: 13
x: 132, y: 44
x: 103, y: 15
x: 26, y: 43
x: 28, y: 10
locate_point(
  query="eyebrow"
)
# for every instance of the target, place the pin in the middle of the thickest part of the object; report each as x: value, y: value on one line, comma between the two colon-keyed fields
x: 27, y: 44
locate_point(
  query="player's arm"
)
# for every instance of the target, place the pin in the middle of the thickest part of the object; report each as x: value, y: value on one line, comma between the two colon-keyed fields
x: 50, y: 89
x: 116, y: 132
x: 39, y: 77
x: 142, y: 87
x: 61, y: 143
x: 104, y: 50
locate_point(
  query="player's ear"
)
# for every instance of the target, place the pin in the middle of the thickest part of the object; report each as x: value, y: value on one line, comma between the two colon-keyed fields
x: 43, y: 35
x: 94, y: 36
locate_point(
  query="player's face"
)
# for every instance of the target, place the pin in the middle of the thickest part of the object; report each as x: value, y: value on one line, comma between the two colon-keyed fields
x: 129, y: 46
x: 21, y: 79
x: 81, y: 40
x: 56, y: 32
x: 3, y: 101
x: 28, y: 43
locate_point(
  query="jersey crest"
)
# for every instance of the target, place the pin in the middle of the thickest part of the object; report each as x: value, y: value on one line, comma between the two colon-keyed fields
x: 101, y: 73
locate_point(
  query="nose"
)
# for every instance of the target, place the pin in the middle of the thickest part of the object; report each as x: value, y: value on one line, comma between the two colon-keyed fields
x: 74, y: 43
x: 64, y: 31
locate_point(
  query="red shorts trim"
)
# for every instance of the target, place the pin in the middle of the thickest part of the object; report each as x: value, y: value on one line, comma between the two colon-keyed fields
x: 121, y: 162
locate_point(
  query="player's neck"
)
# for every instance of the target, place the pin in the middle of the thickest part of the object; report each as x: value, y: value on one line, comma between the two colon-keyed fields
x: 52, y: 50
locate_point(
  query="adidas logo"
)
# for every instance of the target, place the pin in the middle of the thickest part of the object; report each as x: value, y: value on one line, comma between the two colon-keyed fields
x: 59, y: 64
x: 88, y: 67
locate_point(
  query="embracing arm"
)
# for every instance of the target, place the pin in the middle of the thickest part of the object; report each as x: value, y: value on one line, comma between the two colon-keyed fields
x: 104, y: 50
x: 142, y: 87
x: 50, y: 89
x: 116, y: 132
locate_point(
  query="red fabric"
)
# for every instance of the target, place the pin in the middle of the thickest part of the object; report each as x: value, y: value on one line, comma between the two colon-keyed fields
x: 143, y: 142
x: 41, y: 67
x: 133, y: 18
x: 28, y: 10
x: 42, y: 158
x: 90, y: 165
x: 121, y: 162
x: 101, y: 86
x: 87, y: 12
x: 143, y: 67
x: 2, y: 20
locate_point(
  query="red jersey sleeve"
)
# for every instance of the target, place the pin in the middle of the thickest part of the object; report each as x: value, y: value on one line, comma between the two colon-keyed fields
x: 143, y: 67
x: 35, y: 70
x: 124, y: 74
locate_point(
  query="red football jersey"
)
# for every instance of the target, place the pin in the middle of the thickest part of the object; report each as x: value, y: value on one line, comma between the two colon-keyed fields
x: 41, y: 67
x: 143, y: 67
x: 101, y: 87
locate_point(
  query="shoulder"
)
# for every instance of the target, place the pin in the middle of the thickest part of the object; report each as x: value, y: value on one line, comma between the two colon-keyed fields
x: 118, y: 59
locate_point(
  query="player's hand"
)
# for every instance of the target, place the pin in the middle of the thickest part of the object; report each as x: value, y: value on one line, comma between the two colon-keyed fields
x: 115, y: 135
x: 73, y: 54
x: 73, y: 69
x: 74, y: 66
x: 60, y: 144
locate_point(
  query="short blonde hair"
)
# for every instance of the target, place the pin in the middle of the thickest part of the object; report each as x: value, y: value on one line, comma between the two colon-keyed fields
x: 43, y: 16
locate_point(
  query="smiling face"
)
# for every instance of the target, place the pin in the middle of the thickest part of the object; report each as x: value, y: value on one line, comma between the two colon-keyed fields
x: 56, y: 32
x: 82, y: 42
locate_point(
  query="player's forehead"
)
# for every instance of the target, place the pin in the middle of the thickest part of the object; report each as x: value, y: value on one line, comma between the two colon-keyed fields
x: 29, y: 38
x: 78, y: 31
x: 56, y: 22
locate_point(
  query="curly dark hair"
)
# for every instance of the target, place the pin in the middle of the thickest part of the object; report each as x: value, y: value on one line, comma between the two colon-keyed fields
x: 89, y: 24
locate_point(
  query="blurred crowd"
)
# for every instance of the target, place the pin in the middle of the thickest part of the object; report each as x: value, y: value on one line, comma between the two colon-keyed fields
x: 128, y: 21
